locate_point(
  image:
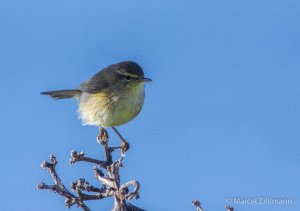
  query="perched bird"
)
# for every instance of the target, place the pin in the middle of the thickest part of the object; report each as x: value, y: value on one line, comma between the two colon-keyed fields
x: 112, y: 97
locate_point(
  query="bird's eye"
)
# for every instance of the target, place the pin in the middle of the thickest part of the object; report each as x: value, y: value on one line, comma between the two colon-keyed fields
x: 126, y: 77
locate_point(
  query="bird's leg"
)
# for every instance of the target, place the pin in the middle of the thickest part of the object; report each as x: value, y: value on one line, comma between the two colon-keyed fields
x: 124, y: 145
x: 102, y: 135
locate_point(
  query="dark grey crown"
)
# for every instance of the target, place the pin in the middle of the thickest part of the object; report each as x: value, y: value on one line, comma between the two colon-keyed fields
x: 110, y: 75
x: 130, y: 67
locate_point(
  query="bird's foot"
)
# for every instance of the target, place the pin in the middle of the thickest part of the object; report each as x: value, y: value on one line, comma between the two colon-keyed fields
x: 124, y: 147
x: 102, y: 136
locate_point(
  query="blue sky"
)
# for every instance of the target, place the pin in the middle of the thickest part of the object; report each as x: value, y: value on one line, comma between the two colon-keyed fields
x: 220, y: 120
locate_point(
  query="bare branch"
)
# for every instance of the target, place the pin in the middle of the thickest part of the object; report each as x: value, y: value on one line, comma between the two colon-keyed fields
x: 197, y: 204
x: 134, y: 193
x: 59, y: 188
x: 75, y: 157
x: 229, y: 208
x: 131, y: 207
x: 104, y: 180
x: 110, y: 180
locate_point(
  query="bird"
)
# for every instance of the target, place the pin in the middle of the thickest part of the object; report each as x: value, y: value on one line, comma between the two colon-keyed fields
x: 112, y: 97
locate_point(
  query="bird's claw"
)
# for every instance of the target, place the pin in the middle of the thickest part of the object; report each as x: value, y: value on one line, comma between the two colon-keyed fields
x: 124, y: 147
x: 102, y: 136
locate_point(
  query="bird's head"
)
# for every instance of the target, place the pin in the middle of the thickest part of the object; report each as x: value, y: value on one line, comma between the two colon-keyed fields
x: 130, y: 73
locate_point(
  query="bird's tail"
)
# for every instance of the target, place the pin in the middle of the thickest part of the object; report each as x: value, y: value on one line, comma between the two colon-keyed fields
x: 62, y: 94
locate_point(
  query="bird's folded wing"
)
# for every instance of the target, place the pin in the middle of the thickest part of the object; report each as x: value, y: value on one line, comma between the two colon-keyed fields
x: 93, y: 86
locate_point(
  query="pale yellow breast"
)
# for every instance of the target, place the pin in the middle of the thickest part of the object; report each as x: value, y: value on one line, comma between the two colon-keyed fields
x: 93, y: 108
x: 127, y: 106
x: 106, y: 110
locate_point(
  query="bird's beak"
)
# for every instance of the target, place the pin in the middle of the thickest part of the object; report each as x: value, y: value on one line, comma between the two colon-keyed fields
x: 145, y: 80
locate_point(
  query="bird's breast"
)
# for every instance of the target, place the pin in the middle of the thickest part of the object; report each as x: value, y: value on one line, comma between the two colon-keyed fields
x: 111, y: 109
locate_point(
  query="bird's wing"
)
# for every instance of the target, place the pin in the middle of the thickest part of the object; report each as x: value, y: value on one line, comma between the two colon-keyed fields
x: 99, y: 82
x: 93, y: 86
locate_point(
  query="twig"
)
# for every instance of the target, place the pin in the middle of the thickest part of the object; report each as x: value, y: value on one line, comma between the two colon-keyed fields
x: 134, y: 193
x: 104, y: 180
x: 229, y: 208
x: 59, y: 188
x: 110, y: 183
x: 197, y: 204
x: 75, y: 157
